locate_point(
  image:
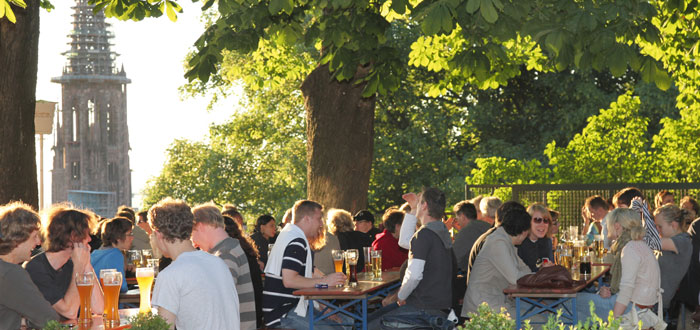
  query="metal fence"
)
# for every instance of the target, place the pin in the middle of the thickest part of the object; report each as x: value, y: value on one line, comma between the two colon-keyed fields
x: 104, y: 203
x: 569, y: 198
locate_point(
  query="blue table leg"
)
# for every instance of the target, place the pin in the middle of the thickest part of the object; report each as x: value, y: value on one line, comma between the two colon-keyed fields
x: 311, y: 314
x: 364, y: 314
x: 517, y: 313
x: 574, y: 310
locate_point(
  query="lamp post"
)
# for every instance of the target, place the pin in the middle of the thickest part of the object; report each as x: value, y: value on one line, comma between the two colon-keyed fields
x: 43, y: 124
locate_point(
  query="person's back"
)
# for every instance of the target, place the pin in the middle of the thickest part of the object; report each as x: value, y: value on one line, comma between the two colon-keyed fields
x: 199, y: 289
x: 465, y: 239
x: 230, y: 251
x: 434, y: 291
x: 640, y: 274
x: 674, y: 266
x: 691, y: 281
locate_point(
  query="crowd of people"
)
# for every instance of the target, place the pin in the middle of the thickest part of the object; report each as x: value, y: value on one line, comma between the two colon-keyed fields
x: 214, y: 275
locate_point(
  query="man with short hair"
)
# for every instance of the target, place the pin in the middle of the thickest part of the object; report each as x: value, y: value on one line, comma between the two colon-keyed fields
x: 290, y: 267
x: 141, y: 239
x: 465, y: 215
x: 488, y: 207
x: 597, y: 207
x: 209, y: 234
x: 426, y: 288
x: 364, y: 222
x: 196, y: 291
x: 388, y: 241
x: 633, y: 198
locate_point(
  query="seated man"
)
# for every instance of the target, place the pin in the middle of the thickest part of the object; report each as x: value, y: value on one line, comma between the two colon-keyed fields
x: 67, y: 255
x: 209, y: 234
x: 20, y: 298
x: 497, y: 264
x: 290, y: 267
x: 426, y: 289
x: 196, y: 291
x: 388, y: 241
x: 465, y: 215
x: 364, y: 223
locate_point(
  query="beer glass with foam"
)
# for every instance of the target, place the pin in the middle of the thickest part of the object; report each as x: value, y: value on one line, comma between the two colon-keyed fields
x: 144, y: 276
x: 111, y: 283
x: 84, y: 282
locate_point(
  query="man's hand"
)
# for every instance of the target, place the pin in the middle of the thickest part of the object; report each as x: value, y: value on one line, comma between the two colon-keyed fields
x: 80, y: 256
x: 401, y: 302
x: 604, y: 292
x: 335, y: 279
x: 450, y: 223
x: 412, y: 200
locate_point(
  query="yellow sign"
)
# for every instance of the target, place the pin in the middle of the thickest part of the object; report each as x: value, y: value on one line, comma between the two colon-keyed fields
x: 43, y: 117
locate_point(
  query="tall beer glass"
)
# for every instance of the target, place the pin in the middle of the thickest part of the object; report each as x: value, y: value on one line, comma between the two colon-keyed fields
x: 102, y: 275
x: 111, y: 283
x: 84, y: 282
x: 144, y: 276
x: 352, y: 255
x: 377, y: 263
x: 367, y: 253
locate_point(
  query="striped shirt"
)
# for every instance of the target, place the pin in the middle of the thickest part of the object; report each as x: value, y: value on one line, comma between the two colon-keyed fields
x: 651, y: 237
x: 230, y: 251
x: 277, y: 299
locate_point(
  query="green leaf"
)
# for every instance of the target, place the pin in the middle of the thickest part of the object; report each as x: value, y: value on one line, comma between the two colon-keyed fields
x: 399, y: 6
x: 618, y: 61
x: 275, y: 6
x: 661, y: 78
x: 170, y: 11
x: 473, y: 6
x: 488, y: 12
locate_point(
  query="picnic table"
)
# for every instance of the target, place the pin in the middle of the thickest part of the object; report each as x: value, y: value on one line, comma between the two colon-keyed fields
x: 350, y: 301
x: 546, y: 300
x: 97, y: 323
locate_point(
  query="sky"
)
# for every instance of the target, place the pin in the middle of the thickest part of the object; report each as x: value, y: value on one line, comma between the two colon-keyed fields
x: 152, y: 52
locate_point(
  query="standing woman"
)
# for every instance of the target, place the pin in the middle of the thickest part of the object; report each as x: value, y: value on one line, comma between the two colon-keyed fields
x: 117, y: 235
x: 537, y: 245
x: 676, y: 248
x: 19, y: 297
x: 265, y: 229
x: 635, y: 271
x: 234, y: 230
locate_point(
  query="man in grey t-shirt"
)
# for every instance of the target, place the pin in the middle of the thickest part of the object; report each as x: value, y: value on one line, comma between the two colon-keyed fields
x: 471, y: 229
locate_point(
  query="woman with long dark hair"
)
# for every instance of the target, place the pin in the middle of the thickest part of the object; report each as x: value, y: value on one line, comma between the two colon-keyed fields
x: 251, y: 252
x: 265, y: 230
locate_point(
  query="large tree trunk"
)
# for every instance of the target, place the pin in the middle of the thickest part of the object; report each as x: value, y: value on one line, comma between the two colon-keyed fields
x: 19, y: 45
x: 340, y: 133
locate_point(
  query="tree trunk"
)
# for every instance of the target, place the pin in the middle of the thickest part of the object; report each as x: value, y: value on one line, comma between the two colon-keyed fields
x: 19, y: 46
x: 340, y: 133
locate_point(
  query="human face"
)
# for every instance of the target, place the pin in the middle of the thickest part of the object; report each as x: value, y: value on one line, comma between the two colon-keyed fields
x: 316, y: 222
x: 23, y: 251
x: 597, y: 213
x: 125, y: 243
x: 363, y: 226
x: 665, y: 228
x: 668, y: 199
x: 554, y: 228
x: 269, y: 229
x: 689, y: 207
x: 539, y: 225
x: 198, y: 235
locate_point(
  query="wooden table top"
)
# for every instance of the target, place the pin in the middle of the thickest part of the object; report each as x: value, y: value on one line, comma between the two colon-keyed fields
x: 596, y: 272
x: 97, y: 324
x: 364, y: 286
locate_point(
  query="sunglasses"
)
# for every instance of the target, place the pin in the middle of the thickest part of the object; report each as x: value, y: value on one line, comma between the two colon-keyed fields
x: 540, y: 220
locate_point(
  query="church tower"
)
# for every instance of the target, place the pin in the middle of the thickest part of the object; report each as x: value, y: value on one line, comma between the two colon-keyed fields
x: 91, y: 144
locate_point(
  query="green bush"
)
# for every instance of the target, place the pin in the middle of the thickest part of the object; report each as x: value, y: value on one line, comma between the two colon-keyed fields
x: 148, y: 321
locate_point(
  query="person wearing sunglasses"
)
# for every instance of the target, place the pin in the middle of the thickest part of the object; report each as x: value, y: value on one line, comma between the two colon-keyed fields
x: 537, y: 246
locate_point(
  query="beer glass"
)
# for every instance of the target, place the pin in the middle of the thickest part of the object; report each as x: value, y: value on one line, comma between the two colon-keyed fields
x: 111, y: 283
x: 84, y: 283
x: 134, y: 257
x: 155, y: 264
x: 367, y: 250
x: 599, y: 246
x: 351, y: 256
x: 338, y: 257
x: 144, y: 276
x: 377, y: 263
x: 102, y: 275
x: 145, y: 255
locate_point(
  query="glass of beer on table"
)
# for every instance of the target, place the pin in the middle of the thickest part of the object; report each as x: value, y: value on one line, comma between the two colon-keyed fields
x: 102, y: 275
x: 84, y: 282
x: 338, y: 257
x: 134, y: 257
x: 111, y: 283
x: 144, y: 276
x: 351, y: 256
x: 367, y: 250
x: 377, y: 263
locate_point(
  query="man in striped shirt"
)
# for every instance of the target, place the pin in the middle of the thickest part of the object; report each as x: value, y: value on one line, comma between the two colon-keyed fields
x: 209, y: 234
x: 290, y: 267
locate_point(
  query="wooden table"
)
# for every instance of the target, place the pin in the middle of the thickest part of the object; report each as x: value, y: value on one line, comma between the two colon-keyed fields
x: 97, y: 322
x: 335, y: 300
x: 547, y: 300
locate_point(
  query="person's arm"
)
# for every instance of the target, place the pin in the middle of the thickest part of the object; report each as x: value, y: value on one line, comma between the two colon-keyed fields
x: 293, y: 280
x: 169, y: 316
x: 651, y: 237
x: 21, y: 295
x: 413, y: 276
x: 508, y: 264
x: 408, y: 228
x: 97, y: 298
x: 667, y: 244
x: 68, y: 305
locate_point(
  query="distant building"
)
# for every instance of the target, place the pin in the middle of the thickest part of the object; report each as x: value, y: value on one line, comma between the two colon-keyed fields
x: 91, y: 145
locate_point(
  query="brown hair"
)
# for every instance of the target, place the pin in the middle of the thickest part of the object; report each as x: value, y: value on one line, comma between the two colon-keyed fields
x: 392, y: 217
x: 304, y: 208
x: 208, y: 214
x: 66, y: 225
x: 234, y: 230
x: 659, y: 198
x: 596, y: 202
x: 435, y: 199
x: 673, y: 213
x: 339, y: 221
x: 114, y: 230
x: 17, y: 222
x: 173, y: 218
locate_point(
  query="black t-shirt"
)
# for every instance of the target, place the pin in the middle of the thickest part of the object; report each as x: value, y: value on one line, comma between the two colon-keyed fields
x: 355, y: 240
x: 52, y: 283
x: 531, y: 251
x: 435, y: 288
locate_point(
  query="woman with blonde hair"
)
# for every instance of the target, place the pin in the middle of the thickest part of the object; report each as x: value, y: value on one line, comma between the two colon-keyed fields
x: 676, y: 248
x: 340, y: 224
x: 635, y: 272
x: 537, y: 246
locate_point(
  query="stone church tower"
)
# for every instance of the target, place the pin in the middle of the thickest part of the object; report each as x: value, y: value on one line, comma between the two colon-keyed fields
x: 91, y: 147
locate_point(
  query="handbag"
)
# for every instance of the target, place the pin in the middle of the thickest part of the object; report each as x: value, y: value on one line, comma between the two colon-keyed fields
x: 631, y: 319
x: 548, y: 277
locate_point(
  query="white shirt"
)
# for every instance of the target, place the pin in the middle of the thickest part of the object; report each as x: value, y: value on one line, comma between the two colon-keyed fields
x: 198, y: 288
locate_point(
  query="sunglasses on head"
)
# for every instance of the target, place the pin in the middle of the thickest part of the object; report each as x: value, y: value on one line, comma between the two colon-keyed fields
x: 540, y: 220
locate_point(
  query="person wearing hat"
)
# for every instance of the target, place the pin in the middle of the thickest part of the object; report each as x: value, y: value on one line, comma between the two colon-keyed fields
x: 364, y: 222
